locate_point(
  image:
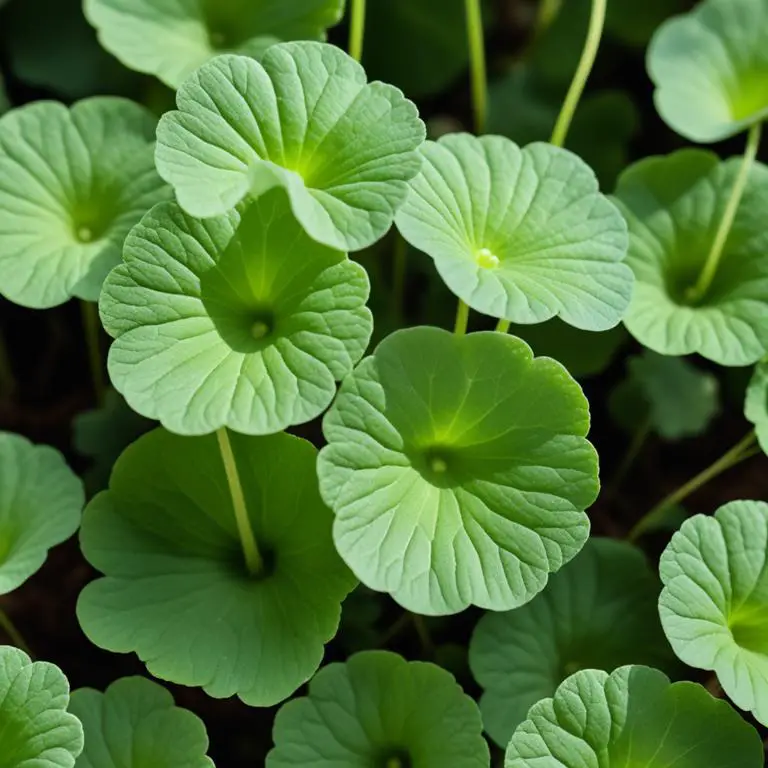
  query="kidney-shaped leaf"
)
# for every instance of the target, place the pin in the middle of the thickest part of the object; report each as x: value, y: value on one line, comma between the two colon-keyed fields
x: 176, y: 589
x: 41, y: 500
x: 235, y: 321
x: 134, y: 724
x: 633, y: 717
x: 380, y: 710
x: 598, y: 612
x: 458, y: 470
x: 674, y: 205
x: 520, y: 234
x: 304, y: 118
x: 756, y: 403
x: 72, y: 183
x: 35, y: 728
x: 714, y: 606
x: 709, y: 68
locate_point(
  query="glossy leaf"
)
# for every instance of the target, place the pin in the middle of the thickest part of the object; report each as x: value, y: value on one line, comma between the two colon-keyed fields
x: 756, y: 403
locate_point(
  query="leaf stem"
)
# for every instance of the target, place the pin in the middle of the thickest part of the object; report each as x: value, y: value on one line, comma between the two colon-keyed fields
x: 427, y: 646
x: 476, y: 38
x: 503, y: 326
x: 92, y: 328
x: 635, y: 447
x: 357, y: 29
x: 462, y: 319
x: 399, y: 266
x: 8, y: 382
x: 726, y: 223
x: 253, y: 559
x: 740, y: 452
x: 588, y: 56
x: 13, y: 634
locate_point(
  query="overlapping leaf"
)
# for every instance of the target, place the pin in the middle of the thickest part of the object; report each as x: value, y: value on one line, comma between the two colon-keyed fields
x: 756, y: 403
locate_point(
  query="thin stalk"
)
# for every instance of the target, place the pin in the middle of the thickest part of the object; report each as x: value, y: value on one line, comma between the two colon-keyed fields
x: 92, y: 328
x: 638, y: 441
x: 357, y: 30
x: 7, y: 379
x: 726, y: 223
x: 476, y: 38
x: 588, y: 56
x: 740, y: 452
x: 253, y: 559
x: 424, y: 637
x: 503, y: 326
x: 13, y: 634
x: 462, y: 319
x: 399, y: 266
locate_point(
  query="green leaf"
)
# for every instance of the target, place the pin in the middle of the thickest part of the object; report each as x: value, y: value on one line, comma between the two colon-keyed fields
x: 714, y: 606
x: 633, y: 717
x: 756, y: 403
x: 458, y: 470
x: 709, y: 69
x: 674, y: 205
x: 36, y: 731
x: 134, y: 724
x: 242, y: 322
x: 176, y: 589
x: 520, y: 234
x: 72, y: 183
x: 41, y: 500
x: 599, y: 612
x: 304, y: 119
x: 172, y: 38
x: 380, y: 710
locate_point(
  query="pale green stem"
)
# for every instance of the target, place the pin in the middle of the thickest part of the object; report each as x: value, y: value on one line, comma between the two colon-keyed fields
x: 503, y: 326
x: 253, y: 559
x: 588, y: 56
x: 638, y: 441
x: 92, y: 328
x: 421, y: 630
x: 7, y: 379
x: 726, y: 223
x: 13, y: 634
x: 357, y: 29
x: 462, y: 318
x: 740, y: 452
x: 476, y: 38
x: 398, y: 273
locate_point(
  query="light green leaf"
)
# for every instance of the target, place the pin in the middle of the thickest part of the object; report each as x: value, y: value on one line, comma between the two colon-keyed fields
x: 72, y: 183
x: 40, y: 504
x: 458, y: 470
x: 176, y: 589
x: 36, y: 731
x: 709, y: 68
x: 380, y: 710
x: 134, y: 724
x: 520, y: 234
x: 674, y: 205
x: 756, y: 403
x: 598, y: 612
x: 304, y: 119
x: 631, y: 718
x: 242, y: 322
x: 714, y: 606
x: 172, y: 38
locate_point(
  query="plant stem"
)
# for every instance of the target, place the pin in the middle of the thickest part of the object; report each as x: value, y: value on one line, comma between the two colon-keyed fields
x: 462, y: 318
x: 726, y: 223
x: 253, y: 559
x: 7, y: 379
x: 740, y: 452
x: 588, y: 56
x: 421, y: 630
x: 13, y: 634
x: 503, y: 326
x: 357, y: 29
x: 92, y: 328
x: 398, y: 274
x: 476, y: 39
x: 638, y: 441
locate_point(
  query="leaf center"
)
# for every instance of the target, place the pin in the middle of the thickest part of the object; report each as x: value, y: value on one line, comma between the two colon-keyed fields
x: 487, y: 259
x: 394, y: 758
x: 749, y: 628
x: 437, y: 465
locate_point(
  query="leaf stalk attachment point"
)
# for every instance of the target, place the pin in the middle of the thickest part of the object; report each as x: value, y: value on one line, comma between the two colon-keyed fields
x: 476, y: 39
x: 462, y: 318
x: 13, y: 634
x: 357, y: 29
x: 92, y: 328
x: 503, y: 326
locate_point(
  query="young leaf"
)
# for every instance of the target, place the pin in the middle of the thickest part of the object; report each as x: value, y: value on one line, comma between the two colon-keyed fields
x: 709, y: 69
x: 72, y: 183
x: 304, y: 119
x: 172, y: 38
x: 242, y: 322
x: 756, y: 403
x: 35, y: 728
x: 41, y: 500
x: 633, y: 717
x: 176, y: 590
x: 380, y: 710
x: 519, y: 234
x: 134, y: 724
x: 598, y: 612
x: 458, y: 470
x: 673, y: 205
x: 714, y: 606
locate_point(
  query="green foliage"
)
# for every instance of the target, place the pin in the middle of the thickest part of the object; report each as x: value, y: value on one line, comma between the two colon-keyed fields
x: 756, y: 403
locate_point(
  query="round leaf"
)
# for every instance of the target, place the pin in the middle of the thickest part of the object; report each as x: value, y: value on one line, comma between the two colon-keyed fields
x: 520, y: 234
x: 709, y: 69
x: 633, y: 717
x: 305, y: 119
x: 756, y: 404
x: 41, y: 500
x: 599, y: 612
x: 176, y: 590
x: 72, y: 183
x: 235, y: 321
x: 35, y: 728
x: 674, y: 205
x: 714, y: 606
x: 458, y: 470
x: 134, y: 724
x: 380, y: 710
x: 171, y: 38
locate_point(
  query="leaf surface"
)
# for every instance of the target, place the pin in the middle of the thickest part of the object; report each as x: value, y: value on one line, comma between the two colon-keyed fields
x: 756, y: 403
